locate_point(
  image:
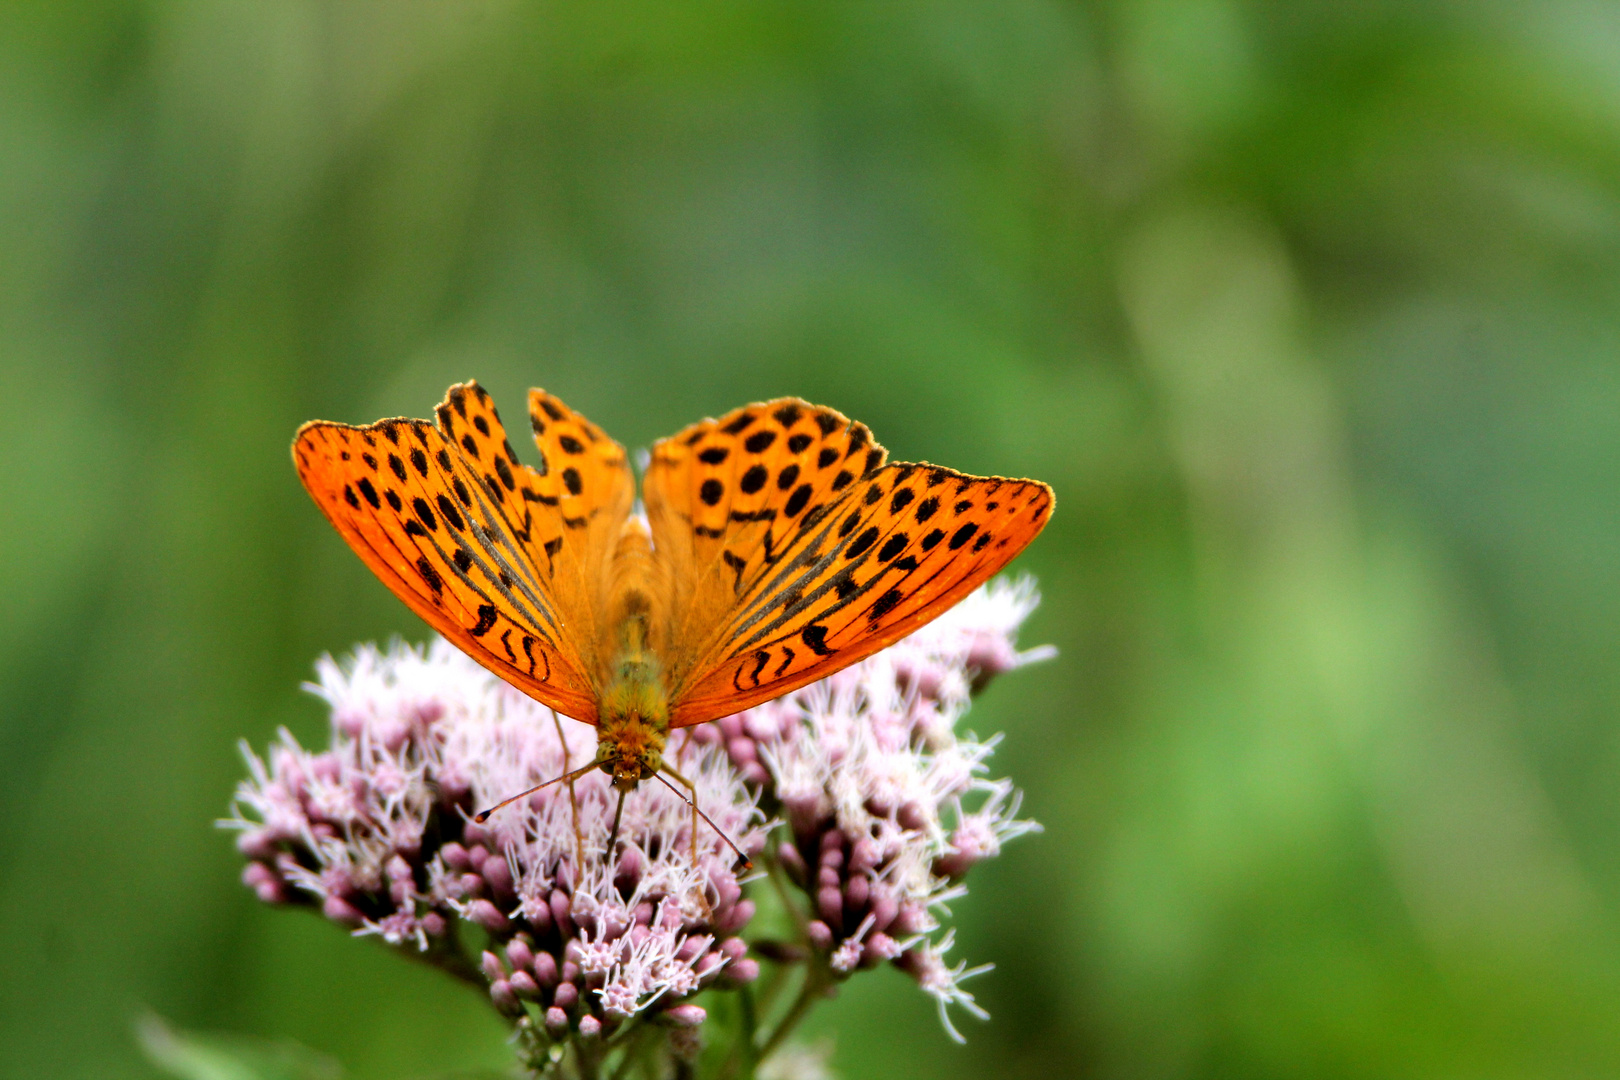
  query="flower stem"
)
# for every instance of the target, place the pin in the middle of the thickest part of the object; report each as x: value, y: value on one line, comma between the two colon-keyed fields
x: 817, y: 978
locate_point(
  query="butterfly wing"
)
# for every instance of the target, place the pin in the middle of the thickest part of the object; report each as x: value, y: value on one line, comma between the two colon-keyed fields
x: 489, y: 552
x: 784, y: 582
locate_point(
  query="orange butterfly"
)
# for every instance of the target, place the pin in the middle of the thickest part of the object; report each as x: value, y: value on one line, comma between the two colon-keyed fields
x: 777, y: 548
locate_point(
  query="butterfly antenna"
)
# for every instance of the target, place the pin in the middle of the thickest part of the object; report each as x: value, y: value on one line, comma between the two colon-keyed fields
x: 483, y: 815
x: 747, y: 863
x: 613, y: 837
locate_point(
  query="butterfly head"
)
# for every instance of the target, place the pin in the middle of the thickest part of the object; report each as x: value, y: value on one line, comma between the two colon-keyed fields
x: 630, y: 753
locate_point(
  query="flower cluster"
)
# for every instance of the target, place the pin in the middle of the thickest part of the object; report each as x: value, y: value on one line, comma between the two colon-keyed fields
x: 879, y: 808
x: 885, y: 804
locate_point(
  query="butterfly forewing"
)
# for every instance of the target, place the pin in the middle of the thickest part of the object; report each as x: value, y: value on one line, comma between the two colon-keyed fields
x: 483, y: 548
x: 726, y: 497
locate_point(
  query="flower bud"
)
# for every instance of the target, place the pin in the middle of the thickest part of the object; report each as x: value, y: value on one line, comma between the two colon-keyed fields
x: 500, y: 992
x: 545, y: 969
x: 341, y: 911
x: 687, y: 1015
x: 518, y: 954
x: 488, y: 916
x: 523, y: 984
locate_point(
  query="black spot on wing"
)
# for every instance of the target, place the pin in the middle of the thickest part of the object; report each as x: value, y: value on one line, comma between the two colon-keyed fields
x: 796, y: 501
x: 737, y: 425
x: 861, y: 543
x: 369, y: 492
x: 962, y: 535
x: 753, y: 479
x: 714, y: 455
x: 885, y: 604
x: 797, y: 443
x: 570, y: 478
x: 815, y: 636
x: 759, y: 441
x: 447, y: 510
x: 788, y: 415
x: 486, y: 620
x: 711, y: 491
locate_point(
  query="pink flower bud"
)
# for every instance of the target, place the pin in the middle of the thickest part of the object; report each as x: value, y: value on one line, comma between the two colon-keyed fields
x: 488, y: 916
x: 523, y: 984
x: 734, y: 948
x: 257, y: 844
x: 499, y: 877
x: 754, y: 773
x: 830, y: 903
x: 792, y: 862
x: 857, y: 891
x: 471, y: 884
x: 560, y: 913
x: 743, y: 971
x: 820, y: 935
x: 911, y: 920
x: 433, y: 924
x: 884, y: 909
x: 879, y: 947
x: 491, y: 966
x: 556, y: 1022
x: 506, y: 1001
x: 589, y: 1026
x: 735, y: 918
x: 544, y: 968
x: 566, y: 997
x: 341, y: 911
x: 519, y: 955
x: 741, y: 749
x: 686, y: 1015
x: 570, y: 970
x: 476, y: 856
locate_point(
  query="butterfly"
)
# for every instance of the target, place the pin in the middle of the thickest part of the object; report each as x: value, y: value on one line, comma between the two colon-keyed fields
x: 776, y: 547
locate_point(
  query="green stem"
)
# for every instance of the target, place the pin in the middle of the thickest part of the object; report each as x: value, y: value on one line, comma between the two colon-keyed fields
x: 817, y: 978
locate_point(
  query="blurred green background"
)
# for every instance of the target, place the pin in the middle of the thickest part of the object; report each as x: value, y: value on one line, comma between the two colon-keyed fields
x: 1308, y: 311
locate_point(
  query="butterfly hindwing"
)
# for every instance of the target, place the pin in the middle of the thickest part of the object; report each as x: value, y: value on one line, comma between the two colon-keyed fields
x: 468, y: 537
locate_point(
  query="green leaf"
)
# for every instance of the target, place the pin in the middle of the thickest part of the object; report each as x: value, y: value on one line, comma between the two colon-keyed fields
x: 192, y: 1056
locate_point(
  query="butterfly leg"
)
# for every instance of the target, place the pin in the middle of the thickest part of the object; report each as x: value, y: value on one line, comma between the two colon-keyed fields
x: 573, y: 801
x: 743, y: 861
